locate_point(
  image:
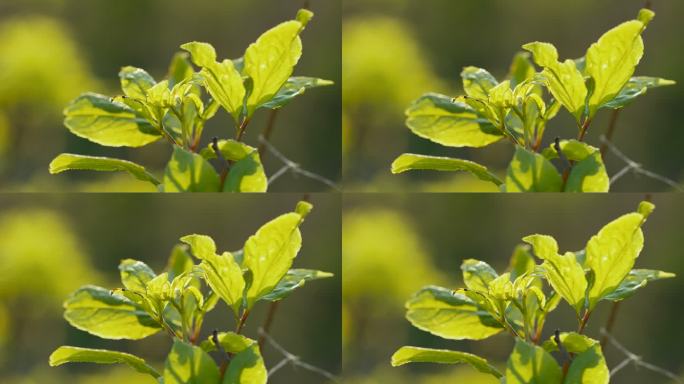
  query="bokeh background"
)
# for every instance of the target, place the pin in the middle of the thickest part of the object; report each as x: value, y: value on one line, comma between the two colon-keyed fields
x: 395, y: 244
x: 52, y: 244
x: 396, y: 50
x: 53, y: 50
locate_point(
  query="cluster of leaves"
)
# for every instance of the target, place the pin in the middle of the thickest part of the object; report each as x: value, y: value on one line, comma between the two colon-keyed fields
x: 516, y: 109
x: 177, y: 301
x: 176, y: 109
x: 519, y: 301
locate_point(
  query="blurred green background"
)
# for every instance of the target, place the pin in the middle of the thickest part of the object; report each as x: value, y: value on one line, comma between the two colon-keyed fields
x: 52, y: 244
x: 53, y: 50
x: 396, y: 50
x: 395, y: 244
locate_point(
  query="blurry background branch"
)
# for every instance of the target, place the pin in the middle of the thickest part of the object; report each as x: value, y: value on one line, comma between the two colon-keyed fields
x: 636, y: 168
x: 636, y: 360
x: 295, y: 360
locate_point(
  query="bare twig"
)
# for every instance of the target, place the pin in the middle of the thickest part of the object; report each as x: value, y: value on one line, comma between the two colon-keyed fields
x: 610, y: 132
x: 293, y: 167
x: 636, y: 360
x: 295, y: 360
x: 636, y: 168
x: 267, y: 133
x: 266, y: 328
x: 611, y: 323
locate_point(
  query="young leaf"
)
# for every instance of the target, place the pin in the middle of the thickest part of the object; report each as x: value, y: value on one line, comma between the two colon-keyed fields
x: 135, y: 82
x: 521, y: 69
x: 477, y: 274
x: 223, y: 82
x: 477, y: 82
x: 179, y: 262
x: 67, y: 162
x: 135, y: 274
x: 293, y: 87
x: 450, y: 315
x: 407, y: 355
x: 635, y: 87
x: 611, y: 61
x: 66, y: 354
x: 521, y: 262
x: 449, y: 122
x: 531, y: 172
x: 247, y: 365
x: 530, y: 364
x: 180, y: 69
x: 612, y: 252
x: 187, y: 364
x: 96, y: 311
x: 269, y: 253
x: 564, y: 273
x: 589, y: 173
x: 293, y: 279
x: 189, y: 172
x: 637, y: 278
x: 563, y: 80
x: 270, y: 61
x: 588, y: 364
x: 221, y: 273
x: 247, y: 173
x: 410, y: 161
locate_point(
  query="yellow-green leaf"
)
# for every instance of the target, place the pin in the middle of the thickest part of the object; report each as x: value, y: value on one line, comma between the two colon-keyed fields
x: 450, y: 315
x: 410, y: 161
x: 531, y: 172
x: 66, y: 354
x: 564, y: 273
x: 407, y: 355
x: 611, y: 61
x: 477, y: 274
x: 588, y: 364
x: 293, y: 87
x: 295, y: 278
x: 135, y: 82
x: 270, y: 61
x: 612, y: 252
x: 530, y: 364
x: 135, y: 274
x: 588, y: 174
x: 189, y: 172
x: 67, y: 162
x: 246, y: 174
x: 188, y: 364
x: 106, y: 122
x: 635, y: 87
x: 477, y: 82
x: 449, y: 122
x: 564, y: 80
x: 637, y: 278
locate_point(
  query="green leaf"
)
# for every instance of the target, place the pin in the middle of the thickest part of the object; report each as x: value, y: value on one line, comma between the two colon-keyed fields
x: 135, y: 82
x: 270, y: 252
x: 449, y: 122
x: 589, y: 173
x: 564, y: 80
x: 247, y: 173
x: 612, y: 252
x: 179, y: 262
x: 293, y: 87
x: 637, y: 278
x: 187, y: 364
x: 222, y: 273
x: 293, y: 279
x: 67, y: 162
x: 180, y: 69
x: 521, y: 262
x: 246, y: 365
x: 477, y: 82
x: 450, y: 315
x: 106, y: 122
x: 530, y: 364
x: 410, y: 161
x: 96, y: 311
x: 611, y: 61
x: 135, y: 274
x: 66, y: 354
x: 635, y: 87
x: 222, y: 80
x: 189, y: 172
x: 270, y: 61
x: 407, y: 355
x: 564, y: 273
x: 477, y: 274
x: 531, y: 172
x: 588, y: 364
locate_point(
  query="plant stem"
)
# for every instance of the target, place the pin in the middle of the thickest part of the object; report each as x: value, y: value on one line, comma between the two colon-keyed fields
x: 583, y: 322
x: 241, y: 129
x: 610, y: 131
x: 583, y: 129
x: 266, y: 328
x: 610, y: 323
x: 241, y: 323
x: 267, y: 133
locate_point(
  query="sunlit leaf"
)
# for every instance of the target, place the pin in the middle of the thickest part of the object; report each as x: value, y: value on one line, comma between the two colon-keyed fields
x: 407, y: 355
x: 531, y: 172
x: 410, y: 161
x: 66, y: 354
x: 68, y: 162
x: 530, y: 364
x: 189, y: 172
x: 188, y: 364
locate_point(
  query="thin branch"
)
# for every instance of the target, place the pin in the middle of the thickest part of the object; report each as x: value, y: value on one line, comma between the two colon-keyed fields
x: 636, y: 168
x: 636, y: 360
x: 294, y: 360
x: 267, y: 133
x: 610, y: 323
x: 610, y: 132
x: 293, y: 167
x: 267, y: 323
